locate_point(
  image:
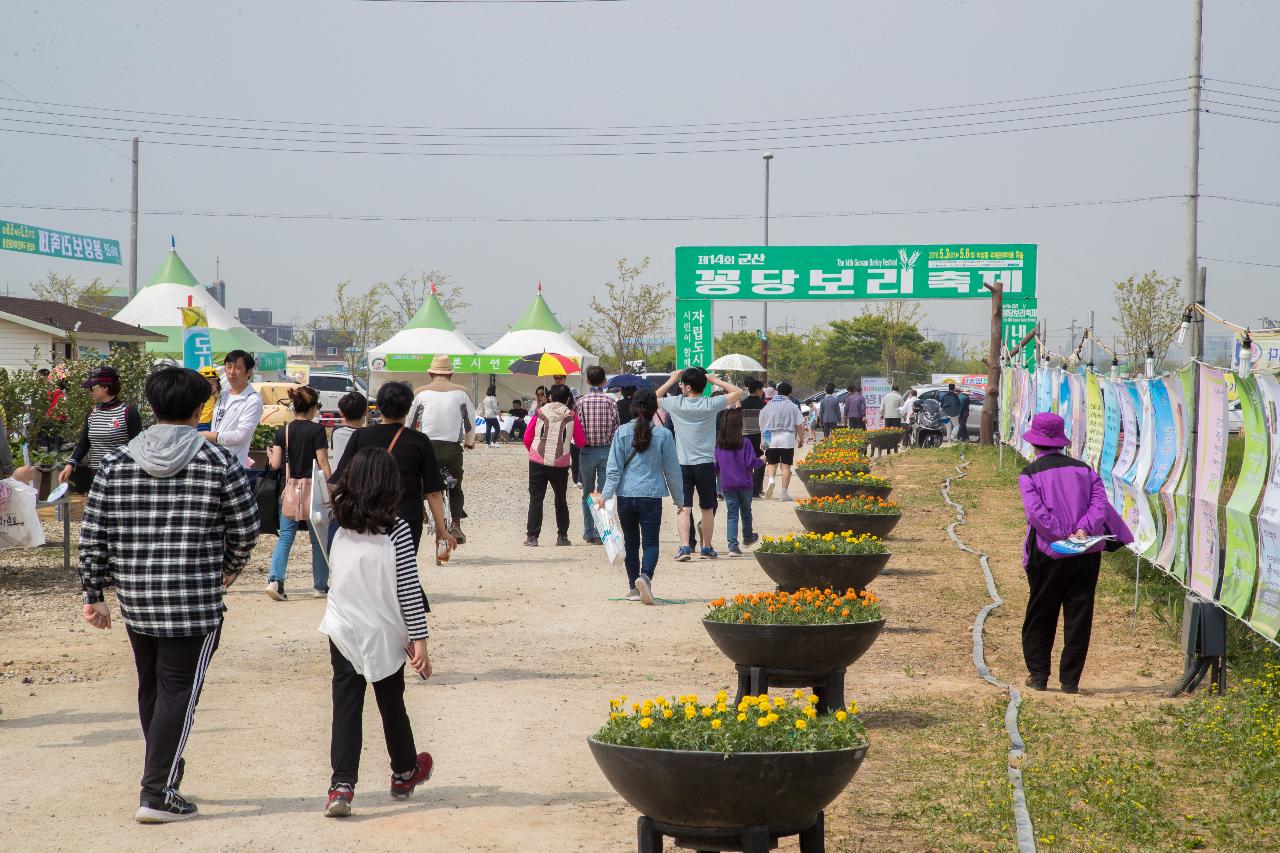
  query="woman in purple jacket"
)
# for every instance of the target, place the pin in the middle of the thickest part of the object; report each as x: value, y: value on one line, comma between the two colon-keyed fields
x: 1063, y: 498
x: 736, y: 461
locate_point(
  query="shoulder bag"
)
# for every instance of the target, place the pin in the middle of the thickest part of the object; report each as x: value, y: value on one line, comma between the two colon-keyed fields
x: 297, y: 490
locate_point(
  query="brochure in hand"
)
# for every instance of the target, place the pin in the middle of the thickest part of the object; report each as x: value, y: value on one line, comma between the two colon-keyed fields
x: 1071, y: 547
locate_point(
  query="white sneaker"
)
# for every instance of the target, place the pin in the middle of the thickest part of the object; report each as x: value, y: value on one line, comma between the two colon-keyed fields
x: 645, y: 590
x: 633, y: 594
x: 768, y: 489
x: 274, y: 592
x: 783, y: 496
x: 319, y: 593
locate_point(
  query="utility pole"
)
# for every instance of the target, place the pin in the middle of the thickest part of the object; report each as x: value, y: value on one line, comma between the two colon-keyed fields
x: 1193, y: 188
x: 1071, y: 347
x: 992, y: 403
x: 1197, y: 325
x: 1093, y: 349
x: 764, y: 325
x: 133, y: 227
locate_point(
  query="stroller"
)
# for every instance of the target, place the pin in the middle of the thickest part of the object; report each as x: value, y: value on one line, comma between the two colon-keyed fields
x: 928, y: 424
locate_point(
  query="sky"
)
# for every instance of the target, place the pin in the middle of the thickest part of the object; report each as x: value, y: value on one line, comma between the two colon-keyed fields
x: 708, y: 66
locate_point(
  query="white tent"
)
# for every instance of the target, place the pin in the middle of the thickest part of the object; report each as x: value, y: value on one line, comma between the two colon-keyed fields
x: 156, y: 307
x: 408, y: 353
x: 537, y: 331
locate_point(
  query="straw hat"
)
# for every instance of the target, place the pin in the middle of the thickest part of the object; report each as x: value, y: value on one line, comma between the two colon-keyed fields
x: 441, y: 365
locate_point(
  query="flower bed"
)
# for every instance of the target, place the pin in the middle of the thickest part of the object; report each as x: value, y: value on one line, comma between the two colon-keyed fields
x: 803, y: 607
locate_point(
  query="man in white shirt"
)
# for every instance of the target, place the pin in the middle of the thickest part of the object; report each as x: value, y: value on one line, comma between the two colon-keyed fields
x: 782, y: 421
x: 238, y: 411
x: 891, y: 406
x: 445, y: 413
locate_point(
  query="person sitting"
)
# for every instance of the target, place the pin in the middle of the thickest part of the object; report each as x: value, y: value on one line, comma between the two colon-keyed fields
x: 519, y: 412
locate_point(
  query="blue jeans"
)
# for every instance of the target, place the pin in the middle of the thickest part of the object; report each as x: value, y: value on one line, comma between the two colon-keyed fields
x: 592, y: 464
x: 280, y: 556
x: 737, y: 502
x: 641, y: 520
x: 492, y: 431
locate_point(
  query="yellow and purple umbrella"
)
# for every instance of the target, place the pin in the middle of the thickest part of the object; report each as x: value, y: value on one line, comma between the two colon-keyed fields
x: 545, y: 364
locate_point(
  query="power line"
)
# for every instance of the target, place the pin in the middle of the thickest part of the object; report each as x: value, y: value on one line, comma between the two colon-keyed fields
x: 1246, y: 118
x: 1246, y: 85
x: 1046, y: 205
x: 482, y: 2
x: 36, y: 104
x: 784, y: 147
x: 1242, y: 263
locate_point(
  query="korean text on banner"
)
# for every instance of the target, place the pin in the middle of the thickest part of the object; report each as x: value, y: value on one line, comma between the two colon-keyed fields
x: 1095, y: 420
x: 34, y: 240
x: 1211, y: 455
x: 873, y: 389
x: 1241, y: 565
x: 197, y: 345
x: 1265, y: 618
x: 694, y: 338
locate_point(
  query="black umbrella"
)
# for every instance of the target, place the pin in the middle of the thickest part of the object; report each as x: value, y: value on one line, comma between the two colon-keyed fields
x: 628, y: 380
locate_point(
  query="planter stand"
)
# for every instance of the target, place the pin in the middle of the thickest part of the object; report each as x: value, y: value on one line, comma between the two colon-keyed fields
x: 748, y: 839
x: 827, y: 686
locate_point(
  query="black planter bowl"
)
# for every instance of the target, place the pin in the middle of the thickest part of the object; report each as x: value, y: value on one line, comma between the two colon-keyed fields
x: 838, y: 522
x: 712, y: 790
x: 820, y: 571
x: 885, y: 440
x: 831, y: 490
x: 803, y: 648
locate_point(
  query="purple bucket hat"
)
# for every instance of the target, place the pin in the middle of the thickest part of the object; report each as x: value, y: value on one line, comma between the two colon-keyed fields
x: 1046, y: 431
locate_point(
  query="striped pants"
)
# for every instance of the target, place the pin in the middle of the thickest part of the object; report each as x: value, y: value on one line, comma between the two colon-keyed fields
x: 170, y: 674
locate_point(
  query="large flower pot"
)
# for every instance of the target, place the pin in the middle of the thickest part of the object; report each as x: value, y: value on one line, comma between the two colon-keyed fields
x: 709, y: 789
x: 838, y: 522
x: 805, y: 648
x: 831, y: 490
x: 820, y: 571
x: 885, y: 440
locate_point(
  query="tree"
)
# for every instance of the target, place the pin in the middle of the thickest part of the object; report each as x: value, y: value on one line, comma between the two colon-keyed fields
x: 406, y: 294
x: 64, y: 289
x: 363, y: 317
x: 1148, y: 311
x: 636, y: 312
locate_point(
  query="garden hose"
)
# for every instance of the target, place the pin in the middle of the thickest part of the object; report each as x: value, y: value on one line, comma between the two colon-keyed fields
x: 1017, y: 747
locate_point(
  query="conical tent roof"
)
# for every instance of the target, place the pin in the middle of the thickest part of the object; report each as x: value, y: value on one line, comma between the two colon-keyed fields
x: 538, y: 330
x: 156, y: 307
x: 429, y: 332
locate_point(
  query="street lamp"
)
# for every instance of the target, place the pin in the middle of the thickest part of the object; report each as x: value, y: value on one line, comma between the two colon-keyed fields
x: 764, y: 326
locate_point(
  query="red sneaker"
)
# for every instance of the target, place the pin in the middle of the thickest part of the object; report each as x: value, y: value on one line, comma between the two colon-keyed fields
x: 340, y: 797
x: 402, y: 788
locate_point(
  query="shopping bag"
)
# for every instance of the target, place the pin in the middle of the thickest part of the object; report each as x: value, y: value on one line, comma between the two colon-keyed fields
x: 19, y: 524
x: 610, y: 531
x: 320, y: 518
x: 266, y: 494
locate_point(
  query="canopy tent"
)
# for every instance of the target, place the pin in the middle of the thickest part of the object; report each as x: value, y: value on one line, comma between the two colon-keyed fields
x: 156, y: 307
x: 408, y: 353
x: 537, y: 331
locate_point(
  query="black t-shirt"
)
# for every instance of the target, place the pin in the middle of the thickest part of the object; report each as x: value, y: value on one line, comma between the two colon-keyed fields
x: 624, y: 410
x: 516, y: 412
x: 305, y: 438
x: 419, y: 471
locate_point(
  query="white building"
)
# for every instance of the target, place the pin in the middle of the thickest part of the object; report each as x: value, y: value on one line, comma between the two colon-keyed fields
x: 43, y: 333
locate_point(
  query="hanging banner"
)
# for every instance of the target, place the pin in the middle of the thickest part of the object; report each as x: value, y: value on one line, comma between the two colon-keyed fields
x: 1182, y: 494
x: 1266, y: 352
x: 1079, y: 415
x: 34, y: 240
x: 1241, y: 567
x: 1027, y: 413
x: 1017, y: 320
x: 1140, y: 514
x: 1112, y: 416
x: 1165, y: 436
x: 1128, y: 441
x: 694, y: 338
x: 1174, y: 537
x: 1211, y: 455
x: 197, y: 345
x: 1265, y: 617
x: 1046, y: 389
x: 1063, y: 407
x: 873, y: 390
x: 1095, y: 420
x: 1005, y: 402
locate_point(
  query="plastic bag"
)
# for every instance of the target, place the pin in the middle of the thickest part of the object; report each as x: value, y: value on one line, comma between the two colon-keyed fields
x: 610, y: 531
x: 19, y: 524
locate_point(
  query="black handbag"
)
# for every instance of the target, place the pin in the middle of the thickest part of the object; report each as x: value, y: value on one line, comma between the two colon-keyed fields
x: 266, y: 494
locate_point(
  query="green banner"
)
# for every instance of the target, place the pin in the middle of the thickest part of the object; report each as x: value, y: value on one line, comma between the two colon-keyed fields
x: 1242, y: 545
x: 815, y: 273
x: 418, y: 363
x: 1182, y: 494
x: 1017, y: 320
x: 273, y: 360
x: 695, y: 341
x: 34, y: 240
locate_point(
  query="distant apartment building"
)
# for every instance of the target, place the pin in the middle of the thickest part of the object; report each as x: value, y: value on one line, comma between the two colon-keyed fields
x: 262, y: 324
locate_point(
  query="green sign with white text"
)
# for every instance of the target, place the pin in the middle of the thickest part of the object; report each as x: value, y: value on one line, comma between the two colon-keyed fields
x: 418, y: 363
x: 818, y: 273
x: 34, y: 240
x: 695, y: 340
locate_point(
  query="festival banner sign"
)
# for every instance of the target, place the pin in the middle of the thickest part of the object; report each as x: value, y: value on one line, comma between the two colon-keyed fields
x: 1017, y: 320
x: 1095, y: 420
x: 1005, y: 401
x: 1063, y: 406
x: 1265, y: 355
x: 1211, y: 455
x: 1182, y: 492
x: 1027, y: 413
x: 1046, y: 388
x: 1165, y: 437
x: 1112, y: 417
x: 695, y: 341
x: 1241, y: 565
x: 873, y: 389
x: 1265, y: 617
x: 419, y: 362
x: 34, y: 240
x: 197, y: 345
x: 1079, y: 415
x: 1145, y: 540
x: 1121, y: 472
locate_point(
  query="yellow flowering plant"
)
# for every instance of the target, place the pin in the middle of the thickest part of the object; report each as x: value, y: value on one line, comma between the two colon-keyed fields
x: 756, y: 724
x: 823, y: 543
x: 851, y: 504
x: 805, y: 606
x: 852, y: 478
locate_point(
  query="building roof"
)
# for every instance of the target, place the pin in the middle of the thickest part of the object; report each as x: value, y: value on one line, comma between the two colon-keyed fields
x: 174, y: 271
x: 539, y: 316
x: 60, y: 320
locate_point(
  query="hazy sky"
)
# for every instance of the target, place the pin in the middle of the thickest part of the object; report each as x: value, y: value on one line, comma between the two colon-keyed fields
x: 642, y: 63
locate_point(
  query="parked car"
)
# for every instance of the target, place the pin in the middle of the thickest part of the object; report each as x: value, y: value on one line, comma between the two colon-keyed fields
x: 332, y: 386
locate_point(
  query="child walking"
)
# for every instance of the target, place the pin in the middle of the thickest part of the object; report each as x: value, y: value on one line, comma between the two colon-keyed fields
x: 375, y: 614
x: 736, y: 461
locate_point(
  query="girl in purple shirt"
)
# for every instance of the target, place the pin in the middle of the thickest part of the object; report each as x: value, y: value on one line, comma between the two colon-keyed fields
x: 736, y: 459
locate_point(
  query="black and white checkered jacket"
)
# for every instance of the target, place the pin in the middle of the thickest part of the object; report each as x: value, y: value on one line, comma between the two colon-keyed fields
x: 166, y: 543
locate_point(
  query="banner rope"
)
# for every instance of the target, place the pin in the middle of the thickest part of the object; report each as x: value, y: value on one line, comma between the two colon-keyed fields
x: 1017, y: 747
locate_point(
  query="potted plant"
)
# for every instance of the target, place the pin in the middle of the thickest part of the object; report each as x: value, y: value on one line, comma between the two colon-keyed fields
x: 716, y: 765
x: 809, y: 630
x: 260, y: 445
x: 837, y: 560
x: 885, y: 439
x: 856, y: 513
x: 829, y: 483
x: 822, y: 460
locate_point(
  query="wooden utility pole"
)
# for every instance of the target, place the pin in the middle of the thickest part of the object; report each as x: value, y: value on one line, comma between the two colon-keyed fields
x: 991, y: 403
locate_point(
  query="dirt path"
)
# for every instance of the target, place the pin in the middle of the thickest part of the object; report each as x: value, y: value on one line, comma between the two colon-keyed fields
x: 528, y: 647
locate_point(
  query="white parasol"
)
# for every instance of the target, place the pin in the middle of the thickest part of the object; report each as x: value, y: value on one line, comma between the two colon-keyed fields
x: 734, y: 361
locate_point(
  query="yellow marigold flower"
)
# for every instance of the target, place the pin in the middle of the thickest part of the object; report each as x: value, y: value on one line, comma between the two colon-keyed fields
x: 721, y: 707
x: 706, y: 711
x: 635, y: 707
x: 762, y: 722
x: 853, y: 707
x: 667, y: 713
x: 763, y: 697
x: 813, y: 700
x: 646, y: 722
x: 811, y: 712
x: 722, y: 697
x: 715, y: 724
x: 799, y: 694
x: 771, y: 717
x: 779, y: 702
x: 802, y: 725
x: 742, y: 718
x: 841, y: 716
x: 690, y: 712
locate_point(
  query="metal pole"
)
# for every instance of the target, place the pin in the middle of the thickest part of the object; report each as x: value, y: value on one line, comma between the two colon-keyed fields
x: 1093, y: 350
x: 1197, y: 328
x: 133, y: 227
x: 764, y: 326
x: 1193, y: 187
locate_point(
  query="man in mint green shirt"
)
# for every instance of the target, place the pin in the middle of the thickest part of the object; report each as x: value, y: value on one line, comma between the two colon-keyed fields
x: 694, y: 419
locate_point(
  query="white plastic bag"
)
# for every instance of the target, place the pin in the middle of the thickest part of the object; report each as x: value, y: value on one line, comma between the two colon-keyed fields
x: 19, y: 524
x: 320, y: 518
x: 609, y: 530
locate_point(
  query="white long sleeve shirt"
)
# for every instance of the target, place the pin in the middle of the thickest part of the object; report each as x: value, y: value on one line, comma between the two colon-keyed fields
x: 235, y: 417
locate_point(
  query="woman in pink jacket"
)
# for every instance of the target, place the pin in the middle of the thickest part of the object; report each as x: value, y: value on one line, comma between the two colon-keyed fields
x: 552, y: 430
